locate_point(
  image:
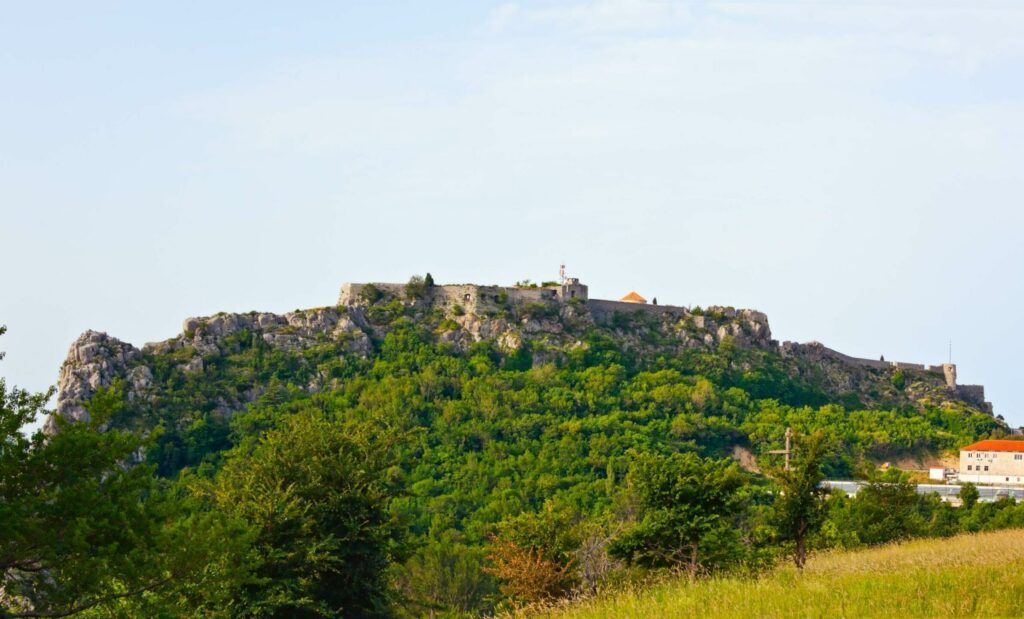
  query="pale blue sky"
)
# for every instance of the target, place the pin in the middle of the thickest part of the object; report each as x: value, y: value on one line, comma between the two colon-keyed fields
x: 853, y: 169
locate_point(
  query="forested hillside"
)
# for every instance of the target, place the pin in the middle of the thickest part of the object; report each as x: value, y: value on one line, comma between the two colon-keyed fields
x: 446, y: 454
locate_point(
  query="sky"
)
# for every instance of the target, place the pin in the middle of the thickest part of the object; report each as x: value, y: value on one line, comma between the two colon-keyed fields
x: 853, y: 169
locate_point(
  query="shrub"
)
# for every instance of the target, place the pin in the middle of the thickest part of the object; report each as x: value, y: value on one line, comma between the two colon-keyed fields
x: 416, y: 288
x: 371, y: 294
x: 537, y: 310
x: 533, y: 555
x: 899, y: 379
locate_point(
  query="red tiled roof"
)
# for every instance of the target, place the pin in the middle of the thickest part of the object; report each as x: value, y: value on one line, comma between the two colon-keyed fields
x: 995, y: 445
x: 633, y: 298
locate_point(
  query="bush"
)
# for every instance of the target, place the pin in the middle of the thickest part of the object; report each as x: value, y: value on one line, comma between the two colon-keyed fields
x: 688, y: 505
x: 416, y: 288
x: 899, y: 379
x: 533, y: 555
x: 537, y: 311
x: 371, y: 294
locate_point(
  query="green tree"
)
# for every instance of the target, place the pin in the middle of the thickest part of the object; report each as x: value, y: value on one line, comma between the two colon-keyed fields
x: 899, y: 379
x: 886, y: 509
x: 316, y: 492
x: 416, y: 288
x: 428, y: 281
x: 80, y: 529
x: 688, y: 508
x: 445, y: 574
x: 799, y: 506
x: 968, y: 495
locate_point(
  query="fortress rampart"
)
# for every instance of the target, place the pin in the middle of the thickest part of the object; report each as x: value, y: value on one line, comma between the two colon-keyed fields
x: 482, y: 300
x: 975, y: 394
x: 470, y: 297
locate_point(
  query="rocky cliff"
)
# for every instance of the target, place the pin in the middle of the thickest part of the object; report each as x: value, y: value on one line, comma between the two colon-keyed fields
x: 549, y: 330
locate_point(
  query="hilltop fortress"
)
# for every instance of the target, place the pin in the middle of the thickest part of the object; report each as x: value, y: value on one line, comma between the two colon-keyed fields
x: 549, y: 320
x: 481, y: 300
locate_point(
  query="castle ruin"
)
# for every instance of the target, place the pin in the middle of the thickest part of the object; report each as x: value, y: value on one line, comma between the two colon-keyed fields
x: 481, y: 300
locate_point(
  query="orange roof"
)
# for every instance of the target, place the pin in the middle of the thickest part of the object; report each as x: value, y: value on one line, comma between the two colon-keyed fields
x: 633, y: 297
x: 995, y: 445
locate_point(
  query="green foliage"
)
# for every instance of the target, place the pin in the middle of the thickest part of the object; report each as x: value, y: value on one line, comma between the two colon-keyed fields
x: 968, y: 495
x: 447, y: 575
x: 899, y: 379
x: 886, y: 509
x: 416, y: 288
x: 315, y: 492
x: 371, y: 294
x: 525, y: 444
x: 799, y: 506
x: 80, y: 530
x: 537, y: 310
x: 688, y: 511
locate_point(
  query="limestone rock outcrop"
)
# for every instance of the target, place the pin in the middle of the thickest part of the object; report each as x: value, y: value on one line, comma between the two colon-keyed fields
x: 94, y: 361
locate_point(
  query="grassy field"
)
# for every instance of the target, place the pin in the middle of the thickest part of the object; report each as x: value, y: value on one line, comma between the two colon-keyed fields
x: 969, y: 575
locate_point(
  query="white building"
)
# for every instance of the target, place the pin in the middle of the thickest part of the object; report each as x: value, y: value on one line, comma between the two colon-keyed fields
x: 993, y: 462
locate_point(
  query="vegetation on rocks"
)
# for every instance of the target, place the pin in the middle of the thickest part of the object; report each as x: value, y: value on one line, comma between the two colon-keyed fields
x: 410, y: 460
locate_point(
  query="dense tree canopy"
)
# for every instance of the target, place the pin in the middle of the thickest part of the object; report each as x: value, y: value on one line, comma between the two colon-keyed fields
x: 423, y: 479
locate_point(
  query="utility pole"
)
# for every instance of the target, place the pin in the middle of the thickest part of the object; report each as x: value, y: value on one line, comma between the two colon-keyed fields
x: 787, y: 450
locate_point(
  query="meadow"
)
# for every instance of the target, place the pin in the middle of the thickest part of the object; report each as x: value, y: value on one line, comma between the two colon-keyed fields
x: 963, y: 576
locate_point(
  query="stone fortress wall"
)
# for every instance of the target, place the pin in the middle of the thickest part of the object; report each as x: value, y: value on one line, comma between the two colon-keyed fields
x: 975, y: 394
x: 470, y: 297
x: 477, y: 299
x: 483, y: 299
x: 480, y: 300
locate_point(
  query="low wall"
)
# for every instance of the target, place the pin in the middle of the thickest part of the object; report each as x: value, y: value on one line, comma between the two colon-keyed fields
x: 974, y: 394
x: 602, y: 309
x: 877, y: 364
x: 470, y: 297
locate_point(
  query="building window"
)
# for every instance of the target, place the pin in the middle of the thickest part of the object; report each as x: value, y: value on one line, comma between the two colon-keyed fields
x: 1018, y: 456
x: 969, y: 467
x: 986, y: 467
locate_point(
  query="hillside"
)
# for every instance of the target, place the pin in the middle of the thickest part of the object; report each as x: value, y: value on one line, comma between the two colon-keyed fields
x: 509, y: 401
x: 232, y: 359
x: 965, y: 576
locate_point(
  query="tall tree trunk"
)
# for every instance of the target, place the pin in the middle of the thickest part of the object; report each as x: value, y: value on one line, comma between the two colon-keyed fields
x: 800, y: 554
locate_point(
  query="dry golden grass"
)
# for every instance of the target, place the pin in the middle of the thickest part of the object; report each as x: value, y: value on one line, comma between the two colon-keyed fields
x: 965, y: 576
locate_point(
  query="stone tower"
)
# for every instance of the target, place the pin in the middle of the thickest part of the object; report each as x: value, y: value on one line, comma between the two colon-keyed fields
x: 571, y: 288
x: 949, y: 371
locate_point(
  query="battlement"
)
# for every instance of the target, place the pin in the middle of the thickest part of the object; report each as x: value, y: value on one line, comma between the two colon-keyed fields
x: 948, y: 370
x: 975, y: 394
x: 475, y: 299
x: 470, y: 297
